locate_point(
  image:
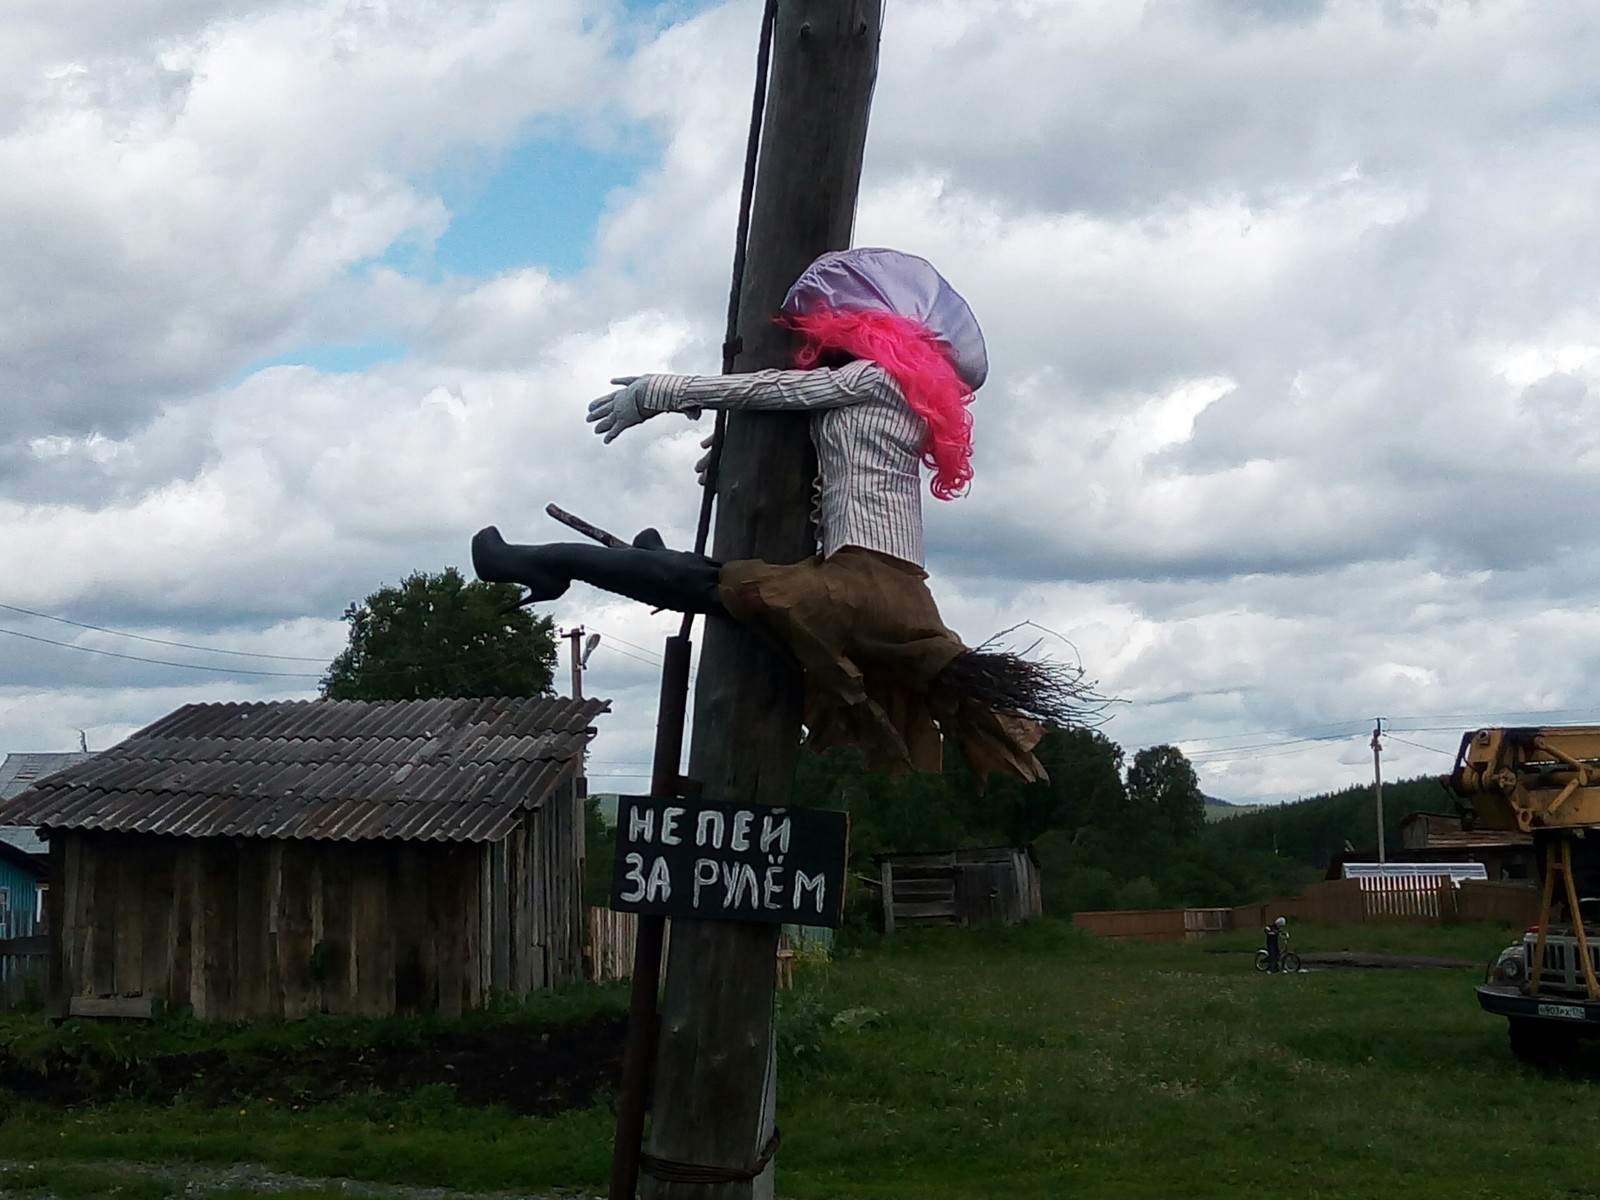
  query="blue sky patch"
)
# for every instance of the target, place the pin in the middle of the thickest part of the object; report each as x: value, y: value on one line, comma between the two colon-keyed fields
x: 537, y: 205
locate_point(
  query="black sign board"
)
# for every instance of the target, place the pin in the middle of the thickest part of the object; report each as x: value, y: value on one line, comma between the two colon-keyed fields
x: 733, y: 862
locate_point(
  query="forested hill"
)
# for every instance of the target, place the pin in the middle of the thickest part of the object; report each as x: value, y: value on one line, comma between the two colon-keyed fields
x: 1315, y: 829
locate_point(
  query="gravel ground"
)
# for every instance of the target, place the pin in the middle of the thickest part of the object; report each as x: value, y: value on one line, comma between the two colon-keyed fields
x: 202, y: 1181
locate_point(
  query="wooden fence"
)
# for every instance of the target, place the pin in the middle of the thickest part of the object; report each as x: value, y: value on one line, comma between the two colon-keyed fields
x: 1515, y: 904
x: 23, y: 970
x: 1408, y: 899
x: 1422, y: 900
x: 608, y: 947
x: 1152, y: 925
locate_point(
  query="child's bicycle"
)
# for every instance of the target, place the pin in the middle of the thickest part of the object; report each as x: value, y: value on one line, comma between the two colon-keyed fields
x: 1288, y: 960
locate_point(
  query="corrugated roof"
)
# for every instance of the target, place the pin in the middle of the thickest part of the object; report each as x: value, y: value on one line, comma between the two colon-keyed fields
x: 21, y: 771
x: 426, y: 770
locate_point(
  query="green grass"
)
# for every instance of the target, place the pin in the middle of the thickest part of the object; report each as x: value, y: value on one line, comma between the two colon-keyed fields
x: 1037, y: 1062
x: 1472, y: 942
x: 28, y: 1036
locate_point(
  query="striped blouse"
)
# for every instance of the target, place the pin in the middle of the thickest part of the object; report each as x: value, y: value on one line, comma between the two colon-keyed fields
x: 869, y: 444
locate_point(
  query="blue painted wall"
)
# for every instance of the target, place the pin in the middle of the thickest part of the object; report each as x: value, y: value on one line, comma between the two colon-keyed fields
x: 24, y: 886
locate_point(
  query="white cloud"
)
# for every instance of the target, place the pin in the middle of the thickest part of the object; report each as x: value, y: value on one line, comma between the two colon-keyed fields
x: 172, y: 200
x: 1290, y: 309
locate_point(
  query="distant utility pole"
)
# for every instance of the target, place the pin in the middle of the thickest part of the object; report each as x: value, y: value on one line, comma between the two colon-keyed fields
x: 580, y: 650
x: 1377, y: 779
x: 712, y: 1134
x: 574, y: 636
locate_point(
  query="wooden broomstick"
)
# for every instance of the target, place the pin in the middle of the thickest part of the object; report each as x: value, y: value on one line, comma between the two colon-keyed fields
x: 583, y: 527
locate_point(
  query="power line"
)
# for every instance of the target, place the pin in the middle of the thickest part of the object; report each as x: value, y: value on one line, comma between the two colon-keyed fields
x: 1392, y: 736
x: 1329, y: 725
x: 139, y: 637
x: 396, y: 669
x: 1464, y: 722
x: 1256, y: 757
x: 161, y: 662
x: 1225, y: 750
x: 604, y: 644
x: 625, y: 654
x: 611, y: 637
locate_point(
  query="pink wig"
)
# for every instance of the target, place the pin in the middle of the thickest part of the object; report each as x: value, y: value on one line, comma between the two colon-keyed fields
x: 915, y: 360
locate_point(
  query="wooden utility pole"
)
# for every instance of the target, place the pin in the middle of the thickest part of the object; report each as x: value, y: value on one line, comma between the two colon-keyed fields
x: 575, y: 637
x: 1377, y: 780
x: 715, y: 1066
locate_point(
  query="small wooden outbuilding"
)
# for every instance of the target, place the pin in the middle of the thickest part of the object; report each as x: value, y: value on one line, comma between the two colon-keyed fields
x: 279, y: 859
x: 987, y: 885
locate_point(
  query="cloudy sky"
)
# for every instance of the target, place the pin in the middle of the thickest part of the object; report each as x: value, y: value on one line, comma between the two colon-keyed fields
x: 1293, y: 309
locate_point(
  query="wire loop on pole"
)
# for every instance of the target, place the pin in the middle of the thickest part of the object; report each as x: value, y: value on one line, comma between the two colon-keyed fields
x: 669, y: 1171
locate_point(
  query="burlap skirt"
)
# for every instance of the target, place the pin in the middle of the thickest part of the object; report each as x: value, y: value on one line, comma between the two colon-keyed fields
x: 866, y: 630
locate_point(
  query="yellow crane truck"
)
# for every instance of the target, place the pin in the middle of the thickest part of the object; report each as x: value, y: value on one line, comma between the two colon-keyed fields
x: 1544, y: 781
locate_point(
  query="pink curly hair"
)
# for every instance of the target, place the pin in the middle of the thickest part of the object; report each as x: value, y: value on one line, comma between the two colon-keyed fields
x: 916, y: 361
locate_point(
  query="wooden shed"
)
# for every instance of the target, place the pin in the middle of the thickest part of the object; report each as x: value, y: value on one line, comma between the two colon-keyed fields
x: 279, y: 859
x: 988, y: 885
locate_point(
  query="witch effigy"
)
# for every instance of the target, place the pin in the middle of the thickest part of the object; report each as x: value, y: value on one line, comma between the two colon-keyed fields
x: 888, y: 359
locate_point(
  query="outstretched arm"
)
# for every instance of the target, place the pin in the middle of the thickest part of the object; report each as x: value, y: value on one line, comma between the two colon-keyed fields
x: 771, y: 391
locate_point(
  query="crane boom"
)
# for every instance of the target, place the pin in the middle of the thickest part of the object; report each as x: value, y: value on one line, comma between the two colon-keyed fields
x: 1542, y: 777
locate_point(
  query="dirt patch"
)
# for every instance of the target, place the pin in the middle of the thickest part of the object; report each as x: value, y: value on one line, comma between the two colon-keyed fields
x: 527, y: 1070
x: 1353, y: 958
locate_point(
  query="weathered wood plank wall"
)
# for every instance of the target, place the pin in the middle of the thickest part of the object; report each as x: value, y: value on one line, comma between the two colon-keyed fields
x: 986, y: 886
x: 235, y: 928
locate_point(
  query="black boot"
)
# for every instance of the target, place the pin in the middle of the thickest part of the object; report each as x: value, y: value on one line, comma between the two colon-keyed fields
x: 645, y: 571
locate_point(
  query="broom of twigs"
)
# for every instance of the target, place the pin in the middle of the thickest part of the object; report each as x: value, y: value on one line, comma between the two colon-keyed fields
x: 1052, y: 693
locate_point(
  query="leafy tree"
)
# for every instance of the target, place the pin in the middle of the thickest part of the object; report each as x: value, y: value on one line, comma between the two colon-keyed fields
x: 439, y: 636
x: 1163, y: 785
x: 1084, y: 788
x: 1139, y: 893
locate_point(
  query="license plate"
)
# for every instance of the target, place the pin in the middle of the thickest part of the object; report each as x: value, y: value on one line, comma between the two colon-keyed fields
x: 1567, y: 1012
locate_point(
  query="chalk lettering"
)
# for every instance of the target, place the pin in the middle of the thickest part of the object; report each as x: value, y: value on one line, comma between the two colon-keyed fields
x: 737, y: 880
x: 709, y: 829
x: 774, y: 831
x: 815, y: 884
x: 772, y: 888
x: 705, y: 874
x: 660, y: 885
x: 635, y: 878
x: 742, y: 821
x: 739, y: 861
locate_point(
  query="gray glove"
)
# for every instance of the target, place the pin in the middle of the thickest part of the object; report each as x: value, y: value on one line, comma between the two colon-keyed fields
x: 613, y: 413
